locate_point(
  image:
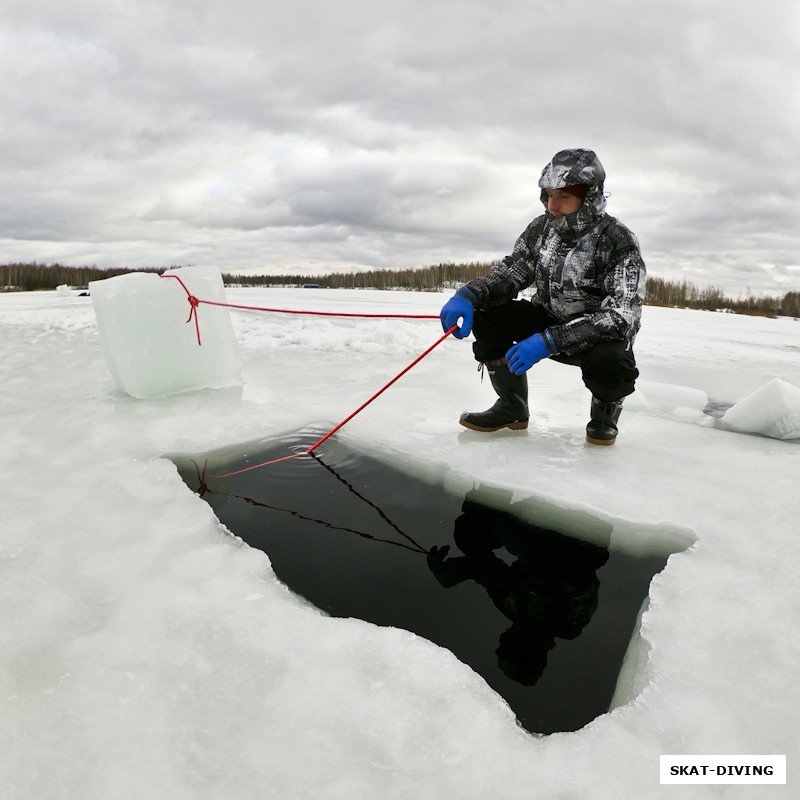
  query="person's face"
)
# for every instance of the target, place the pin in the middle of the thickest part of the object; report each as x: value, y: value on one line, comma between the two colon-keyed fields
x: 560, y: 202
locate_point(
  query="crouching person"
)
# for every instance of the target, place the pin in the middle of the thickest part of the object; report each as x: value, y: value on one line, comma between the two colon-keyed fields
x: 589, y: 278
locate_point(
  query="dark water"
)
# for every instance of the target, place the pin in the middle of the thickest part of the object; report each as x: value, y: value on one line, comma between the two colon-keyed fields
x: 716, y: 409
x: 544, y: 618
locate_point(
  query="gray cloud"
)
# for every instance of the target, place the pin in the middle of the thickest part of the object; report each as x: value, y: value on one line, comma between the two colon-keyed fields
x: 320, y: 136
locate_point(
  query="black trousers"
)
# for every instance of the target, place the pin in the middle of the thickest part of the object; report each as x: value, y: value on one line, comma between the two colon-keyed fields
x: 608, y: 368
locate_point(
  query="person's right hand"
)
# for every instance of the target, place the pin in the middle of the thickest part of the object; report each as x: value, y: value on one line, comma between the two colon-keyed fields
x: 456, y: 308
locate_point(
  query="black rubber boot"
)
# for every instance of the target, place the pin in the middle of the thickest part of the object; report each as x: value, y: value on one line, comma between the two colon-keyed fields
x: 602, y: 427
x: 510, y: 410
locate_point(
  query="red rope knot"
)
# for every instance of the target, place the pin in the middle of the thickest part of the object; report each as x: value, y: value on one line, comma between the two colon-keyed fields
x: 193, y: 304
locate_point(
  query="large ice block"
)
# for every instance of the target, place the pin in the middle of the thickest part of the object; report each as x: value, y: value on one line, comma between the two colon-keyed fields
x: 773, y: 410
x: 150, y: 348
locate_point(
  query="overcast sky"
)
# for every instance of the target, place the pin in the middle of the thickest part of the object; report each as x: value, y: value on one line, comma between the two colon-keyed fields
x: 309, y: 136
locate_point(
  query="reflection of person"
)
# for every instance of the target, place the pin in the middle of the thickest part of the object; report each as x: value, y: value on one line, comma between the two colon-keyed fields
x: 589, y: 278
x: 549, y: 591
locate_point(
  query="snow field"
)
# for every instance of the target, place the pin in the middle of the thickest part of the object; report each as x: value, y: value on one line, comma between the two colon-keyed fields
x: 148, y: 652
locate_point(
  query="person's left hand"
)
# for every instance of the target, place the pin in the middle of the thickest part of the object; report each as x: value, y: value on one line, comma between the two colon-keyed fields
x: 523, y: 355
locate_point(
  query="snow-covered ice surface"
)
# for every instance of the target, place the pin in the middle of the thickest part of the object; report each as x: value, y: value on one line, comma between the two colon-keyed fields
x: 147, y: 654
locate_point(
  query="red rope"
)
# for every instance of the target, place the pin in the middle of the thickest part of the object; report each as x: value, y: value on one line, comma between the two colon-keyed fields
x: 381, y: 391
x: 194, y: 302
x: 320, y: 313
x: 347, y: 419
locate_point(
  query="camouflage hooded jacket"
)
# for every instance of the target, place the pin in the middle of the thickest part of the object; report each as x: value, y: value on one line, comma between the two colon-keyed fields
x: 586, y: 267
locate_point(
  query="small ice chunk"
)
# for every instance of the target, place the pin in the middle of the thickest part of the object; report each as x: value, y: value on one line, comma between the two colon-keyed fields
x: 63, y: 290
x: 684, y: 401
x: 150, y: 348
x: 773, y: 410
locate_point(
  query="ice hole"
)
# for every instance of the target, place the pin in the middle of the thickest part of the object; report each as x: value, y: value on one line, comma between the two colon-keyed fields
x: 545, y: 617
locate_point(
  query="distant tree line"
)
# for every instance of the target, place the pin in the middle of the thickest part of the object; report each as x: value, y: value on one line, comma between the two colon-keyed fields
x: 423, y: 279
x: 35, y: 277
x: 686, y: 295
x: 660, y: 292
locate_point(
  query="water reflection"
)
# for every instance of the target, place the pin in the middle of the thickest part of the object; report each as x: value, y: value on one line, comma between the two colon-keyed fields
x: 544, y: 618
x: 409, y: 543
x: 548, y: 590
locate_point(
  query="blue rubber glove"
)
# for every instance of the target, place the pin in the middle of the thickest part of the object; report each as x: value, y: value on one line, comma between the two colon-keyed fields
x: 455, y: 308
x: 523, y: 355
